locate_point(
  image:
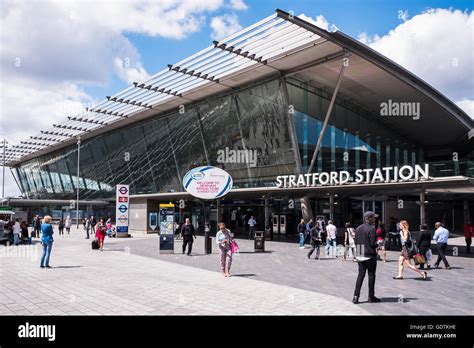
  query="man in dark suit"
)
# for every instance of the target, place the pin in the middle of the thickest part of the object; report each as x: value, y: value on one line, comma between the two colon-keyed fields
x: 366, y: 244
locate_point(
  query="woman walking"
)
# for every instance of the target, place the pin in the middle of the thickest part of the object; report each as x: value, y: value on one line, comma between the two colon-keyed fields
x: 224, y: 241
x: 100, y: 233
x: 423, y: 243
x: 381, y: 240
x: 404, y: 259
x: 46, y: 241
x: 349, y: 243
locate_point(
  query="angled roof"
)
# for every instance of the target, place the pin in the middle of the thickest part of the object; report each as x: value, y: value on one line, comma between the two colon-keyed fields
x: 280, y: 44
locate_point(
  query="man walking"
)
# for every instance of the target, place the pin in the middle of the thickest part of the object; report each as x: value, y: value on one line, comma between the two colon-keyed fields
x: 37, y: 226
x: 315, y: 240
x: 468, y: 233
x: 331, y: 230
x: 252, y: 223
x: 187, y: 231
x: 366, y: 241
x: 441, y: 236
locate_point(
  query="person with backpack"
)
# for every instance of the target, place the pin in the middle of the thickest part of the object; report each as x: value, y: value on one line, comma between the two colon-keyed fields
x: 315, y: 241
x: 408, y: 251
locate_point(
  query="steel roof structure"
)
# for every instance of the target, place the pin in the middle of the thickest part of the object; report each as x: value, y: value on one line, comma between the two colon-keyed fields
x: 261, y: 47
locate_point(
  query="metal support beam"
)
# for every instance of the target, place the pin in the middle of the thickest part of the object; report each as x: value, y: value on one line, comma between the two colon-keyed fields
x: 326, y: 119
x: 331, y: 207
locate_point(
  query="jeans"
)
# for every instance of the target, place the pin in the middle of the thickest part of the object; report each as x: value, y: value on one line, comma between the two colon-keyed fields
x: 226, y: 258
x: 328, y: 246
x: 16, y: 239
x: 370, y: 266
x: 251, y: 231
x: 314, y: 246
x: 441, y: 251
x: 46, y: 252
x: 302, y: 237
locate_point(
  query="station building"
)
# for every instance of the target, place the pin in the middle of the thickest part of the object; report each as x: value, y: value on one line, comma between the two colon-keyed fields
x: 258, y: 104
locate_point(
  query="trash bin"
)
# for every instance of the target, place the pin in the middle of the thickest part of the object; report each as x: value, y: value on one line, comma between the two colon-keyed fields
x: 207, y: 240
x: 259, y: 241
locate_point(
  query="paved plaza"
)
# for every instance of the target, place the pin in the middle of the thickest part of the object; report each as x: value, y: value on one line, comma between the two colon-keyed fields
x: 131, y: 277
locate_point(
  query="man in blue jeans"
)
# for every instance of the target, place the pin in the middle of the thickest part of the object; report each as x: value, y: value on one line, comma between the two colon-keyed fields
x: 302, y: 230
x: 331, y: 230
x: 46, y: 241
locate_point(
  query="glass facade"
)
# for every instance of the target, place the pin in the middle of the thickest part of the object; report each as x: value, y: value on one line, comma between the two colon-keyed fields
x: 226, y: 131
x: 153, y: 156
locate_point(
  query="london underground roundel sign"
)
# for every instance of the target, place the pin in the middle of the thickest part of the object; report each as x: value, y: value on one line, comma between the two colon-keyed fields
x: 207, y: 182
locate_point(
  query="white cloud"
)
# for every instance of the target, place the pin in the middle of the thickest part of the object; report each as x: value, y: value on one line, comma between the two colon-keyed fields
x: 436, y: 45
x: 223, y: 26
x: 238, y: 5
x: 320, y: 22
x: 49, y: 51
x: 128, y: 73
x: 467, y: 105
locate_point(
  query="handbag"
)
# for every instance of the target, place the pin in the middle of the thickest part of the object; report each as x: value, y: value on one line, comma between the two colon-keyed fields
x: 429, y: 255
x: 234, y: 247
x: 419, y: 259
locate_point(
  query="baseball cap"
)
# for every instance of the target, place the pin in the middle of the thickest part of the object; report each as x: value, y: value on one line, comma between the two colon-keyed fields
x: 369, y: 214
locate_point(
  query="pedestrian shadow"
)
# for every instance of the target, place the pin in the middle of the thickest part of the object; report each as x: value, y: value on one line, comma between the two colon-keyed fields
x: 442, y: 268
x: 397, y: 299
x: 66, y: 267
x: 244, y: 275
x: 256, y: 252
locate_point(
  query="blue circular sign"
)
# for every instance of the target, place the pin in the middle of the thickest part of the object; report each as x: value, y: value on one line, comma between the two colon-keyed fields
x: 123, y: 208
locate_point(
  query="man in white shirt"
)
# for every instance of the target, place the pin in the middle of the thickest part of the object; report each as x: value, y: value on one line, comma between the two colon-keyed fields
x: 252, y: 223
x: 331, y: 230
x: 16, y: 232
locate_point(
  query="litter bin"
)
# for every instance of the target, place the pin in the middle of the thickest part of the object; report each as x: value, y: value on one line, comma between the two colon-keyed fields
x: 259, y: 241
x: 207, y: 240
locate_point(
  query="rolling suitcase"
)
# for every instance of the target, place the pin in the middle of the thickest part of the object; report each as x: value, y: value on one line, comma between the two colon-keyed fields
x: 95, y: 244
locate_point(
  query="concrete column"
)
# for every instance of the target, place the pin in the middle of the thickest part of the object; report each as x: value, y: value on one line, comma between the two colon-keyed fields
x: 267, y: 215
x: 331, y: 207
x: 422, y: 208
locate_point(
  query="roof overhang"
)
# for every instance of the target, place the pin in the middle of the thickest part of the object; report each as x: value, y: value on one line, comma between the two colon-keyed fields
x: 279, y: 45
x: 455, y: 185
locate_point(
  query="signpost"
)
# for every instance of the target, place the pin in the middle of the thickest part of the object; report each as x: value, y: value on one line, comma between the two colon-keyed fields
x: 121, y: 211
x: 153, y: 221
x: 166, y: 228
x: 207, y: 183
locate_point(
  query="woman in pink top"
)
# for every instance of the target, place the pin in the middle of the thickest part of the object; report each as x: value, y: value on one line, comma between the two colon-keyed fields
x: 100, y: 233
x: 381, y: 240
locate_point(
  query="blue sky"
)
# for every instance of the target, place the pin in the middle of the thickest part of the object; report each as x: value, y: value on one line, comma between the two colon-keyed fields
x: 350, y: 16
